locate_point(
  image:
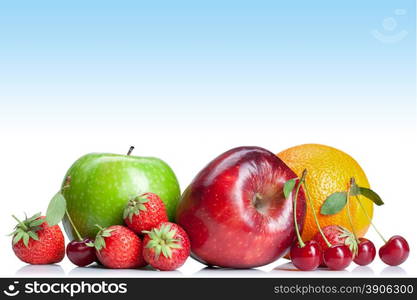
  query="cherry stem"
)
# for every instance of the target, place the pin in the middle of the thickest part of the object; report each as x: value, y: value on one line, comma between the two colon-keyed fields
x: 314, y: 212
x: 300, y: 240
x: 370, y: 220
x: 130, y: 150
x: 66, y: 186
x: 73, y: 226
x: 20, y: 222
x: 348, y: 210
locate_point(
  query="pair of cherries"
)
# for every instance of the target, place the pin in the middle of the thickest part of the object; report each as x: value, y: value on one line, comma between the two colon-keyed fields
x: 309, y: 256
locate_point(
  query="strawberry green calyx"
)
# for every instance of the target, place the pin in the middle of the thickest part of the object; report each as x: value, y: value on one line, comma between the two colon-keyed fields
x: 27, y: 229
x: 350, y: 240
x: 162, y: 240
x: 134, y: 207
x: 99, y: 242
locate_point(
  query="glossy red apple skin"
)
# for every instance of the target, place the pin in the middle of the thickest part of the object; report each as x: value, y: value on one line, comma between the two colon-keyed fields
x: 235, y: 212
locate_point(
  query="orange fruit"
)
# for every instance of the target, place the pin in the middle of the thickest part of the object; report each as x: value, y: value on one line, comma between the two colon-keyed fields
x: 329, y: 170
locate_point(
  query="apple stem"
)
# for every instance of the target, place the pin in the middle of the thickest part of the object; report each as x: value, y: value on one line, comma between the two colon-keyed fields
x: 300, y: 240
x: 130, y: 150
x: 67, y: 183
x: 20, y: 222
x: 370, y: 220
x: 314, y: 213
x: 348, y: 210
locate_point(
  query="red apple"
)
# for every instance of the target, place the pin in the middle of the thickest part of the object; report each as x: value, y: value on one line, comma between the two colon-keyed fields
x: 235, y: 212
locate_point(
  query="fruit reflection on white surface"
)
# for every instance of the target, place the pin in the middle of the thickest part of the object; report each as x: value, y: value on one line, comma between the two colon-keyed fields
x: 289, y: 270
x: 363, y: 271
x: 99, y: 271
x: 41, y: 270
x: 393, y: 271
x: 219, y: 272
x: 282, y: 268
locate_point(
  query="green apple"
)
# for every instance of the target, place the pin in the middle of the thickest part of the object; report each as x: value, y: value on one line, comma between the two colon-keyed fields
x: 101, y: 184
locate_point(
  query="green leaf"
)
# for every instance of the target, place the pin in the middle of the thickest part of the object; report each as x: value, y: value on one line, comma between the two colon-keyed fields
x: 174, y: 243
x: 33, y: 235
x: 371, y: 195
x: 106, y: 232
x: 170, y: 235
x: 99, y: 242
x: 34, y: 217
x: 168, y: 252
x: 151, y: 244
x: 142, y: 200
x: 126, y: 214
x: 56, y: 209
x: 175, y: 246
x: 165, y: 229
x: 350, y: 239
x: 26, y: 239
x: 158, y: 249
x: 153, y: 235
x: 36, y: 222
x: 164, y: 251
x: 288, y: 187
x: 18, y: 236
x: 334, y: 203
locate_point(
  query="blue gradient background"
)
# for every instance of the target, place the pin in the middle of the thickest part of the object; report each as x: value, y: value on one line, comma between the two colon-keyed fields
x: 205, y: 62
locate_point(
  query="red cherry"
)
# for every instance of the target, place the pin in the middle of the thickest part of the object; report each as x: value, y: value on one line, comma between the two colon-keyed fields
x: 337, y: 257
x: 306, y: 258
x: 366, y: 252
x: 80, y: 254
x: 395, y: 251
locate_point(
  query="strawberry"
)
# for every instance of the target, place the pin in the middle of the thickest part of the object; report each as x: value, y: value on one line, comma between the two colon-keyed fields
x: 337, y: 235
x: 145, y: 212
x: 37, y: 243
x: 166, y: 247
x: 118, y: 247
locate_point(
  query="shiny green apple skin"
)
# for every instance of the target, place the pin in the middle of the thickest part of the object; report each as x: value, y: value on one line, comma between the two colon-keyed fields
x: 101, y: 184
